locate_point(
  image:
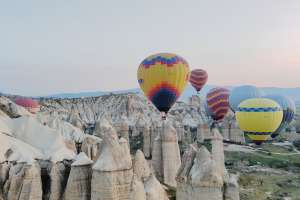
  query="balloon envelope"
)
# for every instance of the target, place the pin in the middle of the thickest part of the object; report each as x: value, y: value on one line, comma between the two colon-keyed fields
x: 198, y: 78
x: 217, y: 100
x: 163, y: 77
x: 289, y: 109
x: 28, y: 103
x: 241, y: 93
x: 259, y: 118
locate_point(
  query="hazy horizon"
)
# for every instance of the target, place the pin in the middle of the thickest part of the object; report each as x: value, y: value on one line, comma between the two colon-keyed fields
x: 57, y: 47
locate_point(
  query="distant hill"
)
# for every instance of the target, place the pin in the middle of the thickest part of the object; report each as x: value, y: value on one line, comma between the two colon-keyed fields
x: 293, y: 93
x: 90, y: 94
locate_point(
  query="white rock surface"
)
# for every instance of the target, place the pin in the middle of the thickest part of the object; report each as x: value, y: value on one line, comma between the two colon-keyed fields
x: 91, y: 146
x: 67, y: 130
x: 112, y: 172
x: 24, y: 182
x: 137, y: 191
x: 170, y: 154
x: 202, y: 174
x: 154, y: 190
x: 81, y: 160
x: 79, y: 182
x: 140, y: 166
x: 12, y: 109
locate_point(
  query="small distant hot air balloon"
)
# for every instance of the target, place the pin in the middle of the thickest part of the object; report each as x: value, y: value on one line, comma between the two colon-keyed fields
x: 31, y: 105
x: 217, y: 100
x: 241, y: 93
x: 289, y: 109
x: 198, y: 78
x: 259, y: 118
x: 163, y: 77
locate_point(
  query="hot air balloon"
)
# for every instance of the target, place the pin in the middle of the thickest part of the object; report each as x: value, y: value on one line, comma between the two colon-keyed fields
x: 259, y: 118
x: 289, y: 108
x: 163, y: 77
x: 31, y: 105
x: 198, y: 78
x: 241, y: 93
x: 217, y: 100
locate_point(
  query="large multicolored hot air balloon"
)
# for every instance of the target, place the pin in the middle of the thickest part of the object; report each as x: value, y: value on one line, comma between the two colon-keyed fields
x: 198, y: 78
x: 217, y: 100
x: 259, y: 118
x: 163, y: 77
x: 31, y: 105
x: 289, y: 109
x: 241, y: 93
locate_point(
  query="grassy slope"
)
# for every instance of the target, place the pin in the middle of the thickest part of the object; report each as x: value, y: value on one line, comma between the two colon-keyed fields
x: 262, y: 185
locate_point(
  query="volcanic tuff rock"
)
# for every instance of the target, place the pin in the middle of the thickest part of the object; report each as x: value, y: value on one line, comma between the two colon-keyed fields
x: 202, y: 174
x: 132, y: 107
x: 23, y: 183
x: 152, y: 189
x: 79, y: 182
x: 112, y: 172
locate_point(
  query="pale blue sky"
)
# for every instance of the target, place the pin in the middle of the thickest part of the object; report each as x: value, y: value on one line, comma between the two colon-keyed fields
x: 77, y: 45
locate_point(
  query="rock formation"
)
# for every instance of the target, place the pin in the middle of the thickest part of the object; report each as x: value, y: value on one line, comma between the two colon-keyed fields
x: 137, y: 191
x: 112, y: 172
x: 202, y: 174
x: 91, y: 146
x: 140, y: 166
x: 166, y: 154
x: 59, y: 176
x: 232, y: 132
x: 23, y: 183
x: 154, y: 189
x: 170, y: 154
x: 143, y: 176
x: 11, y: 109
x: 79, y: 182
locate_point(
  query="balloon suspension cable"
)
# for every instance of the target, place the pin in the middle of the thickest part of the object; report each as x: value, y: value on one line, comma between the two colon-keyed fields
x: 163, y: 116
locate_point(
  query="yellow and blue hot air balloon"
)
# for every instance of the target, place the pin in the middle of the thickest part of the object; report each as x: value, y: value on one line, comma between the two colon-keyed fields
x: 259, y: 118
x: 163, y: 77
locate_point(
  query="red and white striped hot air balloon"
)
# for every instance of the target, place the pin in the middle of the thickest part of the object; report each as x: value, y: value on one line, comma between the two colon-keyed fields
x: 28, y: 103
x: 198, y: 78
x: 217, y: 100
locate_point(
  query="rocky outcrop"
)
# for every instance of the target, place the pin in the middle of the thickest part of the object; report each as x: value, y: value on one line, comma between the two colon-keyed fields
x: 154, y: 189
x: 203, y: 175
x: 11, y: 109
x: 170, y: 154
x: 91, y: 146
x: 59, y: 176
x: 137, y: 190
x: 23, y: 183
x: 140, y: 166
x: 112, y: 172
x: 232, y: 132
x: 122, y: 127
x: 4, y: 175
x: 156, y: 161
x: 79, y: 182
x: 166, y: 154
x: 143, y: 176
